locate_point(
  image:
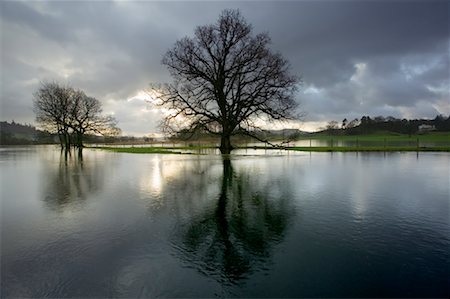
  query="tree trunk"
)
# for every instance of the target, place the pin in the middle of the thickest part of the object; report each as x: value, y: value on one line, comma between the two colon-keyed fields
x: 66, y: 138
x: 79, y: 139
x: 225, y: 144
x: 61, y: 139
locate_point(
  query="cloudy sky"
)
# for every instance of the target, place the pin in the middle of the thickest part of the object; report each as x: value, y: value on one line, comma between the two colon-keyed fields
x: 388, y: 58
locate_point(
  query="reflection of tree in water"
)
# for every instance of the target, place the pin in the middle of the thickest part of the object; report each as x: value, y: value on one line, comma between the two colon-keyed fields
x: 237, y: 237
x: 71, y: 181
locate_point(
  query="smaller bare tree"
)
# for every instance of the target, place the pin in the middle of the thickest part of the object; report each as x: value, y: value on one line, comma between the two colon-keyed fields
x: 71, y: 114
x: 86, y: 117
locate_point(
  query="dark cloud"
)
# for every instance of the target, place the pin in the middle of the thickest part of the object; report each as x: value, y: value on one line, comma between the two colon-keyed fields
x: 355, y: 57
x: 43, y: 23
x: 324, y: 36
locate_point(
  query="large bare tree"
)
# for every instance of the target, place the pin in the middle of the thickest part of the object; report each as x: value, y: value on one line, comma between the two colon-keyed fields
x: 70, y: 113
x: 226, y: 80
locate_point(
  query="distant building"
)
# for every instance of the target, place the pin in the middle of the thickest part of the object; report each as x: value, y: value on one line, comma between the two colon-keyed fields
x: 426, y: 128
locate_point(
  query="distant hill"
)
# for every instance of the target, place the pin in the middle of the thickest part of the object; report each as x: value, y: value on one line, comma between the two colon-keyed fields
x: 15, y: 133
x: 368, y: 125
x: 16, y: 128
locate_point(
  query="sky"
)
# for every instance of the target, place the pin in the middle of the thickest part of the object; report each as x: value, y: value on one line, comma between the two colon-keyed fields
x: 355, y: 58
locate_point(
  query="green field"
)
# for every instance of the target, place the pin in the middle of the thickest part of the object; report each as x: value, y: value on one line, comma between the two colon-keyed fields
x: 375, y: 142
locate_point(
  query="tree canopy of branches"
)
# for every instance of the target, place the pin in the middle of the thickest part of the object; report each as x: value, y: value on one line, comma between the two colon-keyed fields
x: 226, y: 81
x: 71, y: 114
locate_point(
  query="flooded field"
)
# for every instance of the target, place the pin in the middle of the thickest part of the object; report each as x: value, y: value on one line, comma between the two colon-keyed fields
x: 254, y: 225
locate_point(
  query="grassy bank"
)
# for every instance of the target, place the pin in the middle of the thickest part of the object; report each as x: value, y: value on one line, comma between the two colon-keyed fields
x: 371, y: 149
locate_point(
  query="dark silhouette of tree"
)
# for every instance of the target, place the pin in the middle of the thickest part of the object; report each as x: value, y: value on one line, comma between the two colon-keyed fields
x: 71, y: 114
x: 225, y: 79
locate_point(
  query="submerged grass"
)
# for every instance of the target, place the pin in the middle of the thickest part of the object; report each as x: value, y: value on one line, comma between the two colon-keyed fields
x: 141, y: 150
x: 382, y: 142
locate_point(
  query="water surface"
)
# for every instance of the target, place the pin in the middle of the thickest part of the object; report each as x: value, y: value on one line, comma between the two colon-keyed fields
x: 255, y: 225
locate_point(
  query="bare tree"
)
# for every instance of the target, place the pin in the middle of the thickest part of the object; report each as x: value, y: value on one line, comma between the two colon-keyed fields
x: 86, y: 117
x: 71, y: 114
x: 354, y: 123
x: 226, y: 81
x: 332, y: 125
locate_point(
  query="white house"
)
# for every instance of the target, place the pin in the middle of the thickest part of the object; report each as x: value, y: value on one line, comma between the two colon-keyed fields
x: 426, y: 128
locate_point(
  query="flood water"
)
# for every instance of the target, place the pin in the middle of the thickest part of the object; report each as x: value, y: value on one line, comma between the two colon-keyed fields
x: 260, y: 224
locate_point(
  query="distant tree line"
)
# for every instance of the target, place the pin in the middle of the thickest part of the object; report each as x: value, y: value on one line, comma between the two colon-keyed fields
x: 368, y: 125
x: 13, y: 133
x: 70, y: 114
